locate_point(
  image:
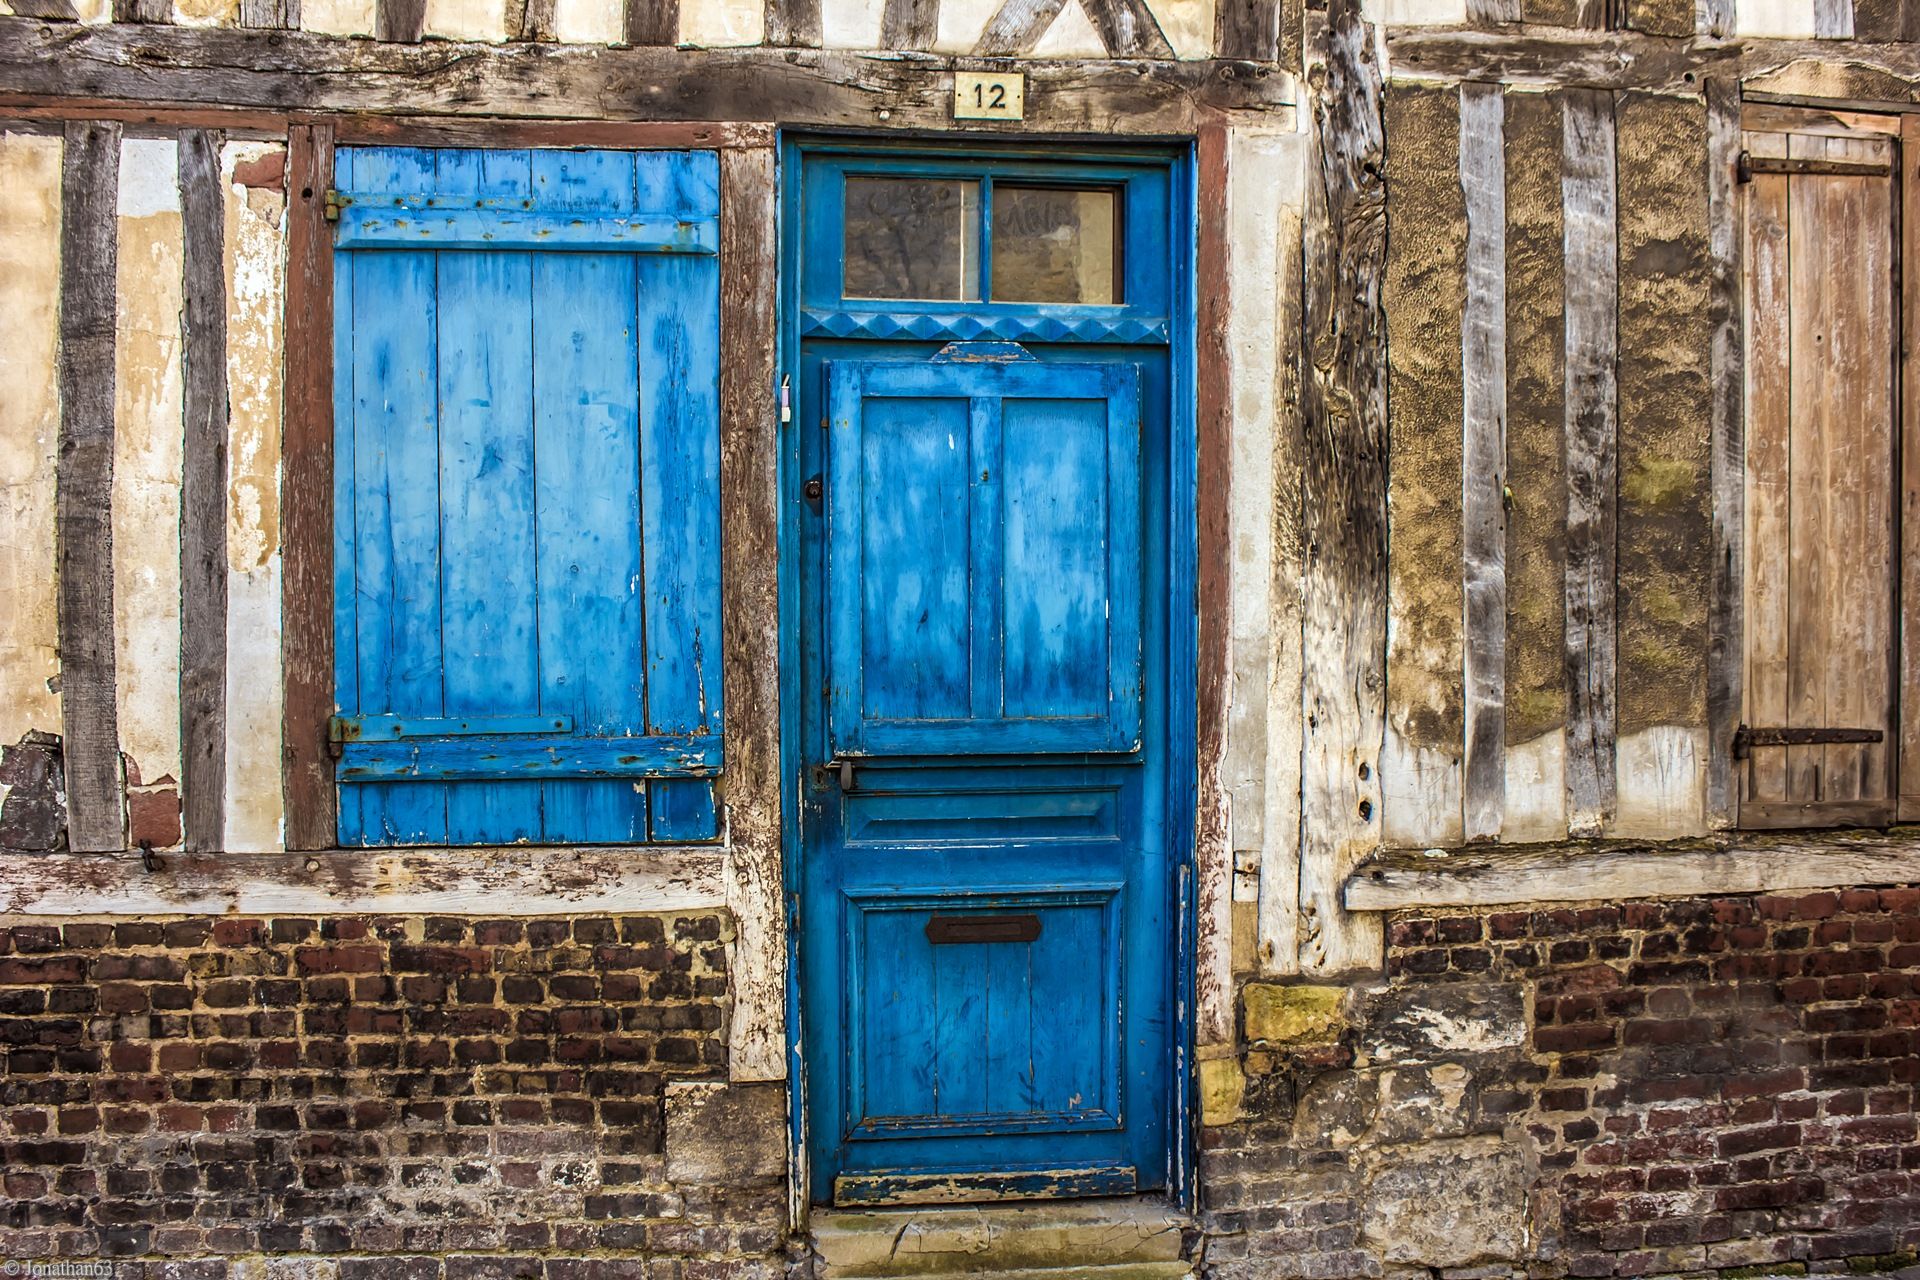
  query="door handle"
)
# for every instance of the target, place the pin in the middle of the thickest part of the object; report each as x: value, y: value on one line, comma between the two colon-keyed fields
x: 843, y: 769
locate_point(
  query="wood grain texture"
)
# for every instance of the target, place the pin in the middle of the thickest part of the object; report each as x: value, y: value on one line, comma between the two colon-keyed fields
x: 1726, y: 447
x: 1536, y: 685
x: 182, y: 66
x: 1588, y: 192
x: 909, y: 24
x: 1908, y: 763
x: 1659, y: 17
x: 89, y: 238
x: 1886, y: 20
x: 1248, y: 29
x: 649, y: 22
x: 142, y: 11
x: 203, y: 497
x: 1343, y: 474
x: 1624, y: 871
x: 1424, y: 295
x: 1767, y: 432
x: 514, y: 881
x: 270, y: 14
x: 1664, y: 514
x: 793, y: 23
x: 1016, y: 26
x: 46, y: 10
x: 1483, y: 459
x: 1489, y: 12
x: 306, y: 510
x: 403, y: 21
x: 749, y: 521
x: 1128, y: 29
x: 1212, y: 852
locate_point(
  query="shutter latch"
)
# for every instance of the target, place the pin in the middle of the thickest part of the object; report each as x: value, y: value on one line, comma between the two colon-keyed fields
x: 335, y: 203
x: 1745, y: 739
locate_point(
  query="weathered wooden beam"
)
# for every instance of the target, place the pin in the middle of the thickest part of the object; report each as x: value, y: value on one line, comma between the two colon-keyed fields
x: 1247, y: 29
x: 793, y: 23
x: 306, y: 507
x: 909, y: 24
x: 270, y: 14
x: 401, y: 21
x: 749, y: 448
x: 650, y: 22
x: 1483, y: 459
x: 308, y: 73
x: 142, y: 11
x: 1588, y: 194
x: 203, y: 496
x: 1727, y: 451
x: 1213, y: 473
x: 89, y: 239
x: 1127, y: 29
x: 46, y: 10
x: 1016, y: 26
x: 1623, y: 871
x: 511, y: 881
x: 1908, y: 759
x: 1343, y: 474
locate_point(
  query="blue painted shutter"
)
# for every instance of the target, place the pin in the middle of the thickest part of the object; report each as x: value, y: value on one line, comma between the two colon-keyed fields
x: 527, y: 496
x: 983, y: 574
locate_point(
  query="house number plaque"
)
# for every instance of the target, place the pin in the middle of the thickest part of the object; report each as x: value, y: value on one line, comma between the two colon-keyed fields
x: 977, y: 96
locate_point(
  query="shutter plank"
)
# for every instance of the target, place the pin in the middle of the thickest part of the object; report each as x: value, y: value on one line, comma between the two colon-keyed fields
x: 1808, y: 303
x: 1769, y: 423
x: 1908, y: 763
x: 592, y: 662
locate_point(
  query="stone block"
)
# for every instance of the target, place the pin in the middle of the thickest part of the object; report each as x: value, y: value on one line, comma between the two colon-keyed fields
x: 1434, y: 1022
x: 1222, y: 1089
x: 1292, y: 1015
x: 1451, y: 1204
x: 721, y: 1133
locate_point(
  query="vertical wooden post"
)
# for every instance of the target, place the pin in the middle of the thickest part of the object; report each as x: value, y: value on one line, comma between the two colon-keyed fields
x: 306, y: 509
x: 749, y: 513
x: 1212, y: 856
x: 400, y: 20
x: 909, y: 24
x: 1587, y: 190
x: 793, y: 22
x: 1344, y: 478
x: 203, y: 496
x: 1247, y: 29
x: 1907, y: 696
x: 89, y: 241
x: 1725, y: 646
x: 650, y: 22
x: 1483, y: 462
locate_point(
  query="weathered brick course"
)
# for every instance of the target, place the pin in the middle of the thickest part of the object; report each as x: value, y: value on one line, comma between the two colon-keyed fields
x: 439, y: 1098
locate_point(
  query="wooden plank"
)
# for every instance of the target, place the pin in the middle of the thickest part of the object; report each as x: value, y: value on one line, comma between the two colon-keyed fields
x: 909, y: 24
x: 534, y: 19
x: 1247, y: 29
x: 1483, y: 459
x: 1809, y: 491
x: 203, y: 497
x: 649, y: 22
x: 1212, y: 851
x: 1488, y: 12
x: 1725, y: 450
x: 1016, y: 26
x: 306, y: 509
x: 1907, y: 688
x: 1766, y: 575
x: 1127, y: 29
x: 1570, y: 58
x: 793, y: 22
x: 142, y: 10
x: 1659, y: 17
x: 90, y: 187
x: 1535, y: 802
x: 1344, y: 479
x: 186, y: 66
x: 1424, y: 295
x: 1663, y: 518
x: 749, y: 448
x: 1588, y: 193
x: 1817, y: 813
x: 1556, y: 873
x: 400, y: 20
x: 498, y: 131
x: 46, y: 10
x: 270, y: 14
x: 509, y: 881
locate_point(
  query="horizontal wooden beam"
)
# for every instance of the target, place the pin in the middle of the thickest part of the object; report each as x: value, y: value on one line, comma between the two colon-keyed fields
x: 467, y: 881
x: 1586, y: 873
x: 297, y: 72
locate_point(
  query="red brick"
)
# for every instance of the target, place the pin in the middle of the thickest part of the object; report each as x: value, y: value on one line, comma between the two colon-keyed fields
x: 338, y: 959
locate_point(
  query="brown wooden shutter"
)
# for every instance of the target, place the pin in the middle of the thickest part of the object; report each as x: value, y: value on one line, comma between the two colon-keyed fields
x: 1818, y: 742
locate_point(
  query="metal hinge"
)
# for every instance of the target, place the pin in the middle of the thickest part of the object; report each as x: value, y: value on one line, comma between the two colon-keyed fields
x: 335, y: 203
x: 1745, y: 739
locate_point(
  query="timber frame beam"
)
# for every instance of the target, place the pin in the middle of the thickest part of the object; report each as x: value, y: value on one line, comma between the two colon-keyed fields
x: 233, y: 69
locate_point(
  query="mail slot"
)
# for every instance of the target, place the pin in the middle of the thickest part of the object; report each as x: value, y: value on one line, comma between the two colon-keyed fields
x: 1022, y: 928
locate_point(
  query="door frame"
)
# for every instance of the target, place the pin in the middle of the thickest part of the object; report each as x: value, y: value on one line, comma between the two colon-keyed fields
x: 1183, y: 574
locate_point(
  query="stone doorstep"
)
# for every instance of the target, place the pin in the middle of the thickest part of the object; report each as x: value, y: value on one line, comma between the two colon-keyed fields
x: 1130, y: 1239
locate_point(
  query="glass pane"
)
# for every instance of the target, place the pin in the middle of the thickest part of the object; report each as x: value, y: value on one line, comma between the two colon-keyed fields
x: 913, y: 238
x: 1054, y: 244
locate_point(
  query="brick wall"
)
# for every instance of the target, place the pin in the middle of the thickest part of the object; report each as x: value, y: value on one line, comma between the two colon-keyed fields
x: 1632, y: 1089
x: 483, y: 1098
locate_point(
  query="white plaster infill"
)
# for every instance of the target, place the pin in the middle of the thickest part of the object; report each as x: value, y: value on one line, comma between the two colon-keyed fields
x: 1611, y: 871
x: 505, y: 881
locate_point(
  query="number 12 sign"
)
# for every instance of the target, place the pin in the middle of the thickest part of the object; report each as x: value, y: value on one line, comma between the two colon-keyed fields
x: 978, y: 96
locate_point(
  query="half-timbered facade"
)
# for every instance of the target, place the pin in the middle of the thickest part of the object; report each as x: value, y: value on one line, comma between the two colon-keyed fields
x: 893, y: 637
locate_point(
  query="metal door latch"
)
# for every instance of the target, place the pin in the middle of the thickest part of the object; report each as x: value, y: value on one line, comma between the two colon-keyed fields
x: 1745, y: 738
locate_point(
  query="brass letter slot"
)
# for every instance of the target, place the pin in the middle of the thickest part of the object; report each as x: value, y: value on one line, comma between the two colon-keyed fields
x: 983, y: 929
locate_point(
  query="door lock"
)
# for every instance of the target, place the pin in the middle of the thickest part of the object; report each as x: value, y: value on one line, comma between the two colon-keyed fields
x: 813, y: 490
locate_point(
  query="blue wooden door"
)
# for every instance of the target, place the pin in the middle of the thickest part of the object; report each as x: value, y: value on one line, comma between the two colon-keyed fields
x: 986, y: 907
x: 527, y: 496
